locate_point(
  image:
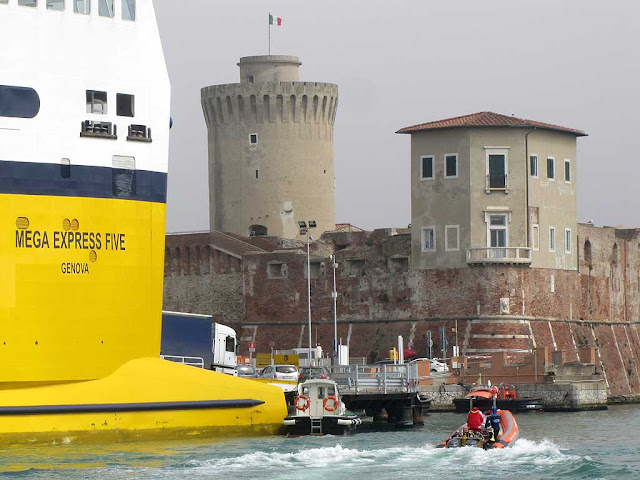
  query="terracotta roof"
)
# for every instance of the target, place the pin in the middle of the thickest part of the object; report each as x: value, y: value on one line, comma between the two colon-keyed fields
x: 488, y: 119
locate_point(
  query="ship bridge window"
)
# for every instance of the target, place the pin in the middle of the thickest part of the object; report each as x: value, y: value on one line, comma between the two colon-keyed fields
x: 82, y: 6
x: 105, y: 8
x: 18, y: 102
x: 96, y: 102
x: 123, y: 174
x: 125, y: 105
x: 55, y: 5
x: 4, y: 1
x: 28, y: 3
x: 129, y: 10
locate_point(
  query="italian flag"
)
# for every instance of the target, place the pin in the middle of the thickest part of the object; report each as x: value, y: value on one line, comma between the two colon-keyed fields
x: 273, y: 20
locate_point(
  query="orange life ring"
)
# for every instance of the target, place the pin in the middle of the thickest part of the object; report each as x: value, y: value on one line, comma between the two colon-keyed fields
x: 335, y: 403
x: 305, y: 405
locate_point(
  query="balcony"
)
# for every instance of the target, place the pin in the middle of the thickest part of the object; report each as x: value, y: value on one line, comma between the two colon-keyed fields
x: 499, y: 256
x: 496, y: 182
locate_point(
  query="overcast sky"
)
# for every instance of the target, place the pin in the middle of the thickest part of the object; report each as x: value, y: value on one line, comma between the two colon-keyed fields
x: 574, y: 63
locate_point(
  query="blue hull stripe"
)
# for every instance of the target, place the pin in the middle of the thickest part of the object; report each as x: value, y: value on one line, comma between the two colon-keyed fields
x: 24, y: 178
x: 128, y: 407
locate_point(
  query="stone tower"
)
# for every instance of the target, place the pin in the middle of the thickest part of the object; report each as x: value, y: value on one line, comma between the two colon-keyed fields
x: 270, y: 150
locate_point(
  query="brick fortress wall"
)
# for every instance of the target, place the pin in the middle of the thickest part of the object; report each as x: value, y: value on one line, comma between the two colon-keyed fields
x: 264, y: 295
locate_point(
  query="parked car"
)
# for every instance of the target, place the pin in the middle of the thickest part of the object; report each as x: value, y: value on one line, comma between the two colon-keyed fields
x: 437, y: 366
x: 280, y: 372
x: 307, y: 373
x: 247, y: 371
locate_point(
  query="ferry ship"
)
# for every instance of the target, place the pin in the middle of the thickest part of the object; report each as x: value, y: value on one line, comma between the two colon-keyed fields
x: 84, y: 133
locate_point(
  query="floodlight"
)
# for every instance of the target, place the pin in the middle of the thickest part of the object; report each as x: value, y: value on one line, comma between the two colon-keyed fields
x: 302, y: 224
x: 312, y: 224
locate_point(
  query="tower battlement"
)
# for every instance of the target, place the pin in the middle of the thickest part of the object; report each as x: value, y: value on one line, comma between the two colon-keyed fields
x: 270, y: 149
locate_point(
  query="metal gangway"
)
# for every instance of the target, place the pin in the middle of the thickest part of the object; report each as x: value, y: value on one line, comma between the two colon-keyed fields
x: 379, y: 378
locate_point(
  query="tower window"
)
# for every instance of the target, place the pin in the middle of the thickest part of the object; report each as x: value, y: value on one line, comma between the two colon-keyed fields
x: 96, y: 102
x: 250, y: 78
x: 125, y: 105
x: 256, y: 173
x: 253, y: 139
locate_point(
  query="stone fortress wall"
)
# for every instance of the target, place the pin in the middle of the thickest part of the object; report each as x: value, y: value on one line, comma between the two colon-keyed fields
x: 261, y: 291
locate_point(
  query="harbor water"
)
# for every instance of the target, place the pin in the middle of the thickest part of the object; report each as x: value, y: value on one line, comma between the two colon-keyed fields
x: 586, y: 445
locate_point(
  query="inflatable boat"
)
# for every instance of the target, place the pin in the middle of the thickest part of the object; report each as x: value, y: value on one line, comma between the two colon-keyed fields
x: 463, y: 437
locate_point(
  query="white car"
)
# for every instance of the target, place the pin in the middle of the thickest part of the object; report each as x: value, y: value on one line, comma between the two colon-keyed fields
x: 280, y: 372
x: 437, y: 366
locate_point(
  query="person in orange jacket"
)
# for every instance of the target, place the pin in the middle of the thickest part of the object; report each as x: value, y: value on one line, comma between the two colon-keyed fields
x: 475, y: 419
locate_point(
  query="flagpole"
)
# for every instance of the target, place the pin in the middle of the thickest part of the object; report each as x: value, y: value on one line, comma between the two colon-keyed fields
x: 269, y: 22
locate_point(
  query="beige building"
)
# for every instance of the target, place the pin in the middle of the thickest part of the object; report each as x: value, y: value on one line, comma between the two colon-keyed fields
x: 490, y: 189
x: 270, y: 143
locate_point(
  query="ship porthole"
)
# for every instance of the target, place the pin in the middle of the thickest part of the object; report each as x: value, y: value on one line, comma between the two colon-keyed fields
x: 22, y: 223
x: 66, y: 224
x: 93, y: 256
x: 75, y: 224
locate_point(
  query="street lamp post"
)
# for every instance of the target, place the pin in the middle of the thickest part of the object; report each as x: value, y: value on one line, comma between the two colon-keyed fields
x: 334, y: 295
x: 304, y: 230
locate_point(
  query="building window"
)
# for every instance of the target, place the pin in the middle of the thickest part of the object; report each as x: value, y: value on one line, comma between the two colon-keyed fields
x: 55, y: 5
x: 428, y: 239
x: 567, y: 171
x: 257, y: 231
x: 123, y: 174
x: 253, y: 139
x: 533, y: 165
x: 451, y: 165
x: 552, y: 239
x: 452, y: 238
x: 497, y: 176
x: 105, y: 8
x: 567, y: 240
x: 28, y: 3
x: 315, y: 269
x: 497, y: 235
x: 426, y: 167
x: 551, y: 168
x: 275, y: 270
x: 18, y: 102
x: 250, y: 78
x: 125, y: 105
x: 96, y: 102
x: 82, y: 6
x: 355, y: 267
x: 535, y: 237
x: 4, y: 2
x: 129, y: 10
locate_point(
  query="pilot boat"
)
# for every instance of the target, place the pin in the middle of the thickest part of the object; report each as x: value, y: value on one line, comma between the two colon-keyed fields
x: 84, y: 136
x: 319, y: 411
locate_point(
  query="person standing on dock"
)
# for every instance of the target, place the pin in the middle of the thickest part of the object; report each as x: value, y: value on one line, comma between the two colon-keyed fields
x: 475, y: 419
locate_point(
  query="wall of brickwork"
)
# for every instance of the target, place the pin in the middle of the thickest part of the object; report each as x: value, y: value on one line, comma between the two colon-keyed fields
x: 381, y: 297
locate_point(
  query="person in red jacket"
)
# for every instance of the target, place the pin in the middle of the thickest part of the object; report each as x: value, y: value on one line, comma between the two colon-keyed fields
x: 475, y: 419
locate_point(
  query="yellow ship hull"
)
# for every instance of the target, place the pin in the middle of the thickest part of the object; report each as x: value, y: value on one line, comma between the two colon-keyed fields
x: 80, y: 324
x: 144, y: 399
